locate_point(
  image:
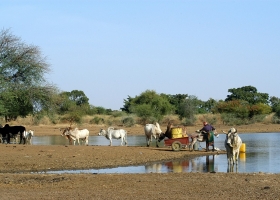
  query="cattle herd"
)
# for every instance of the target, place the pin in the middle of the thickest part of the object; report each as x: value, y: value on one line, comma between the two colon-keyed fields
x: 232, y: 141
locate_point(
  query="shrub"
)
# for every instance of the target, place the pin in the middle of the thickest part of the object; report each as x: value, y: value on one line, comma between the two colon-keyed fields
x: 96, y: 120
x: 128, y: 121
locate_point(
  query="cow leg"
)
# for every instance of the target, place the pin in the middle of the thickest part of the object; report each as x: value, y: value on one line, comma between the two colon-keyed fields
x: 21, y: 138
x: 8, y: 138
x: 148, y: 141
x: 237, y: 156
x: 157, y: 142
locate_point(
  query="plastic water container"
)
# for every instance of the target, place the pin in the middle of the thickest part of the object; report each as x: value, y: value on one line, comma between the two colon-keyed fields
x: 242, y: 148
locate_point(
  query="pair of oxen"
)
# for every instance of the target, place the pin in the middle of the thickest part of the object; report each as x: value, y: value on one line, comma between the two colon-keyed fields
x: 7, y: 132
x: 75, y: 134
x: 232, y: 142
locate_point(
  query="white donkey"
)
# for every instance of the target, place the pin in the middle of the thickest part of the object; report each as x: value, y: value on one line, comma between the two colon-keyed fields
x: 152, y: 130
x: 232, y: 143
x: 111, y: 133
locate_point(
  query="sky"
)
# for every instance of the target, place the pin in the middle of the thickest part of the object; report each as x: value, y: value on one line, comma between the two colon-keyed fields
x: 113, y: 49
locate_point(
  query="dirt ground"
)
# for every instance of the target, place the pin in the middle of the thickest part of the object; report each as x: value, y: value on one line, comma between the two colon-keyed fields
x: 19, y: 164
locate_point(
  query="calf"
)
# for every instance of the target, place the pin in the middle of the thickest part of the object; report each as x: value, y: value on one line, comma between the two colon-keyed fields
x: 27, y: 136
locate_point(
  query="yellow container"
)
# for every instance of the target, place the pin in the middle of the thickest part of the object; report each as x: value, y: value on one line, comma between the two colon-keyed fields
x: 176, y: 132
x: 242, y: 149
x: 242, y: 156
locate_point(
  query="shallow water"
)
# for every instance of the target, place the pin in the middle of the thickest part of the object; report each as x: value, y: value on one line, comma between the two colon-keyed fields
x: 261, y: 156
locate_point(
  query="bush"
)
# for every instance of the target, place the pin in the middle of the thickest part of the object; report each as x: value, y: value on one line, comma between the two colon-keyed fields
x: 128, y: 121
x: 189, y: 122
x: 96, y: 120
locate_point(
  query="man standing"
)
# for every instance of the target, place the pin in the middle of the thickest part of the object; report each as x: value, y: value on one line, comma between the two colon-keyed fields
x: 207, y: 128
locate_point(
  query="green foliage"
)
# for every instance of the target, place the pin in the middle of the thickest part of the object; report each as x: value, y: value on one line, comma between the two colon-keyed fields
x: 128, y: 121
x: 239, y: 108
x: 188, y: 109
x: 230, y: 119
x: 175, y: 100
x: 249, y: 94
x: 260, y: 109
x: 97, y: 120
x: 24, y: 89
x: 127, y: 105
x: 276, y: 119
x: 277, y: 111
x: 117, y: 113
x: 189, y: 121
x: 150, y: 105
x: 275, y: 103
x: 73, y: 117
x: 211, y: 119
x: 209, y: 105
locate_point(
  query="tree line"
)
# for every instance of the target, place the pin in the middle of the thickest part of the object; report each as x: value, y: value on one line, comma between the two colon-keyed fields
x: 24, y: 91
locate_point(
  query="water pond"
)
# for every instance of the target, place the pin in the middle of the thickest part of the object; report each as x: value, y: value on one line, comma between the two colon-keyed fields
x: 261, y: 156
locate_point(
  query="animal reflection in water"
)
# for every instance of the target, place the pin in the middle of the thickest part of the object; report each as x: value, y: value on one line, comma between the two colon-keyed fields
x: 178, y: 166
x: 155, y: 168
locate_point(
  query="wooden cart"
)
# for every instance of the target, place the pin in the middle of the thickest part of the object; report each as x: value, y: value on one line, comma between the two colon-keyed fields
x: 177, y: 143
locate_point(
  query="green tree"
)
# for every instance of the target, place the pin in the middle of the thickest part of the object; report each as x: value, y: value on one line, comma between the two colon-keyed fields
x: 127, y: 104
x: 149, y: 104
x: 209, y: 105
x: 274, y: 103
x: 249, y: 94
x: 238, y: 108
x: 24, y: 90
x: 71, y: 102
x: 175, y: 100
x: 188, y: 109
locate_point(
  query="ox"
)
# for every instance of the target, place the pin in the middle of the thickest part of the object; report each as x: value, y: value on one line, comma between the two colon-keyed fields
x: 111, y: 133
x: 27, y: 136
x: 12, y: 132
x: 152, y: 130
x: 201, y: 137
x: 232, y: 143
x: 76, y: 134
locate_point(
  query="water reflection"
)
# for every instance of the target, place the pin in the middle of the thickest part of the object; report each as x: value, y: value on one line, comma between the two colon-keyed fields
x: 261, y: 156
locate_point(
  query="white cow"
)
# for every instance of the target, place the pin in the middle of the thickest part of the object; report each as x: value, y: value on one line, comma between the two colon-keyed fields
x: 27, y: 136
x: 75, y: 134
x: 152, y: 130
x: 232, y: 143
x: 111, y: 133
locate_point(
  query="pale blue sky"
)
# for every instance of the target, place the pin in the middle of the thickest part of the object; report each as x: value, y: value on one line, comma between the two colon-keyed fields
x: 112, y: 49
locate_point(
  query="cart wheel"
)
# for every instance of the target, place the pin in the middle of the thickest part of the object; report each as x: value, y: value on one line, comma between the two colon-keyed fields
x: 176, y: 146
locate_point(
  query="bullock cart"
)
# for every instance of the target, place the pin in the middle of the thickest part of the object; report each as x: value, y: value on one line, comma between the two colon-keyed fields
x: 177, y: 143
x: 177, y: 140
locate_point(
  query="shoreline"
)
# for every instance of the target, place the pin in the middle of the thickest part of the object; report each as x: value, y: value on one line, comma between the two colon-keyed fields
x: 45, y: 130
